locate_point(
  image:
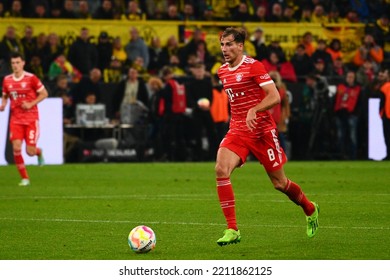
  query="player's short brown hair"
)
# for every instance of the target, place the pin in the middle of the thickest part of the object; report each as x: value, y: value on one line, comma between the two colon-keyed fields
x: 16, y: 55
x: 239, y: 34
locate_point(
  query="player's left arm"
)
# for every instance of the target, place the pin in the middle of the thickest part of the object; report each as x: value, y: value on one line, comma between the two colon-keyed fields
x: 42, y: 94
x: 272, y: 97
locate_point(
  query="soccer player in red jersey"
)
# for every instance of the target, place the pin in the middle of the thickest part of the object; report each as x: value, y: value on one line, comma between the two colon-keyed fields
x: 252, y: 129
x: 25, y: 91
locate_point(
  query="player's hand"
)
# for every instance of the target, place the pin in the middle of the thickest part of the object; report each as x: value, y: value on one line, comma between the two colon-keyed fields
x: 2, y: 107
x: 251, y: 119
x: 26, y: 105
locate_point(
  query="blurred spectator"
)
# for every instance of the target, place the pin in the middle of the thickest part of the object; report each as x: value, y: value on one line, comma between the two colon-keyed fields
x: 307, y: 41
x: 321, y: 53
x: 338, y: 71
x: 260, y: 15
x: 318, y: 14
x: 42, y: 49
x: 61, y: 66
x: 334, y: 49
x: 286, y: 69
x: 219, y: 109
x: 192, y: 45
x: 175, y: 66
x: 133, y: 11
x: 204, y: 55
x: 281, y: 111
x: 86, y: 85
x: 154, y: 86
x: 156, y: 9
x: 208, y: 14
x: 40, y: 11
x: 188, y: 12
x: 139, y: 65
x: 223, y: 10
x: 174, y: 103
x: 361, y: 9
x: 70, y: 141
x: 104, y: 50
x: 288, y: 14
x: 258, y: 42
x: 84, y: 12
x: 198, y: 87
x: 302, y: 63
x: 137, y: 47
x: 276, y: 13
x: 306, y: 14
x: 29, y: 42
x: 133, y: 91
x: 113, y: 73
x: 366, y: 73
x: 347, y: 108
x: 55, y: 11
x: 352, y: 17
x: 10, y: 43
x: 369, y: 50
x: 154, y: 55
x: 380, y: 29
x: 61, y: 86
x: 118, y: 51
x: 275, y: 47
x: 320, y: 67
x: 2, y: 10
x: 105, y: 11
x: 83, y: 54
x: 35, y: 67
x: 173, y: 13
x: 16, y: 10
x: 54, y: 49
x: 241, y: 14
x: 334, y: 16
x: 384, y: 108
x: 68, y: 10
x: 170, y: 48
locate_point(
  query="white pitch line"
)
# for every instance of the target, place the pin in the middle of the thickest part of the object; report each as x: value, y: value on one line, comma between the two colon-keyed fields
x: 179, y: 223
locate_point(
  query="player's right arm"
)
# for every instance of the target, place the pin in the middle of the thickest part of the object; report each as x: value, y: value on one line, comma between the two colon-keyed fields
x: 4, y: 99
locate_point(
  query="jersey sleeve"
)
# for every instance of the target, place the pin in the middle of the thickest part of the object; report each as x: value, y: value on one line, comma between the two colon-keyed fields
x: 36, y: 84
x: 260, y: 74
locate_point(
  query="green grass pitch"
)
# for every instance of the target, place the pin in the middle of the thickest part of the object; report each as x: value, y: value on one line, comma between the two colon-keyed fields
x: 85, y: 212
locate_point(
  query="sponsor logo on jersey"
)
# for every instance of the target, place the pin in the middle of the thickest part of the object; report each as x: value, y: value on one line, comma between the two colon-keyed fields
x: 265, y: 76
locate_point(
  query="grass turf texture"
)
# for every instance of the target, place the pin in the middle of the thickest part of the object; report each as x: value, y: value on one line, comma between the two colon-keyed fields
x: 85, y: 212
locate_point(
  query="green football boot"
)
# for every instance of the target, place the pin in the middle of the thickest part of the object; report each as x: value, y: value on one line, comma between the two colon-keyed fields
x: 41, y: 160
x: 312, y: 221
x: 230, y: 236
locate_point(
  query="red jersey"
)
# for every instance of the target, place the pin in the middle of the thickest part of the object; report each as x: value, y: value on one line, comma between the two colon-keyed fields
x: 243, y: 86
x: 20, y: 90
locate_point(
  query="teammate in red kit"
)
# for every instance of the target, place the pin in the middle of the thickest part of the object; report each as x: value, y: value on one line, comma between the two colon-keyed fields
x: 25, y: 91
x: 252, y: 129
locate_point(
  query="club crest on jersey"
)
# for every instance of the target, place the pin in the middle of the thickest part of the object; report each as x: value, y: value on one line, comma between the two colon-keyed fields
x: 23, y: 84
x: 238, y: 77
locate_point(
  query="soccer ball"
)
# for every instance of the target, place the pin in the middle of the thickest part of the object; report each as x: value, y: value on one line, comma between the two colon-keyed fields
x: 141, y: 239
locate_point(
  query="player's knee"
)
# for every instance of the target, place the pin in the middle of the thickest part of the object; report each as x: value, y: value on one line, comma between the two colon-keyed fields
x: 31, y: 152
x: 221, y: 171
x: 279, y: 184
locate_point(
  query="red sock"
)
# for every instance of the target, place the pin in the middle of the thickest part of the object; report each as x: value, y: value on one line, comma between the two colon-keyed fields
x: 226, y: 199
x: 295, y: 193
x: 38, y: 151
x: 20, y: 164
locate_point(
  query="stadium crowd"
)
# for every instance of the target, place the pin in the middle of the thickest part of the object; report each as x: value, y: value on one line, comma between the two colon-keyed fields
x: 151, y: 76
